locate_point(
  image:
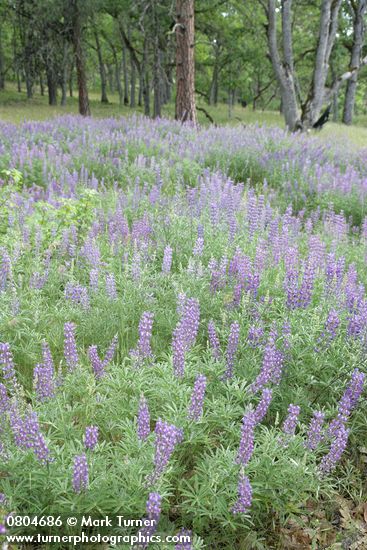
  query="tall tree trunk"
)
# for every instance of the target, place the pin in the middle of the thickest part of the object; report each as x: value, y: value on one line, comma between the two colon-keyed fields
x: 111, y: 77
x: 146, y: 82
x: 42, y: 84
x: 84, y: 108
x: 283, y: 69
x: 28, y: 83
x: 118, y: 78
x: 64, y: 74
x: 51, y: 86
x: 141, y: 89
x: 71, y: 75
x: 213, y: 94
x: 327, y: 32
x: 126, y: 79
x: 185, y: 62
x: 157, y: 79
x: 19, y: 81
x: 2, y: 68
x: 132, y: 84
x: 102, y: 69
x: 358, y: 39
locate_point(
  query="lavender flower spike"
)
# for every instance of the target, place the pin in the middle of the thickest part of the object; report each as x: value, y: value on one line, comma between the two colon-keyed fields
x: 153, y: 509
x: 97, y: 364
x: 290, y: 422
x: 70, y: 351
x: 7, y: 364
x: 348, y: 401
x: 232, y: 346
x: 185, y: 540
x: 167, y: 437
x: 263, y: 405
x: 244, y: 499
x: 213, y: 340
x: 80, y: 473
x: 329, y: 461
x: 315, y: 431
x: 167, y: 260
x: 197, y: 398
x: 143, y: 419
x: 246, y: 447
x: 91, y: 437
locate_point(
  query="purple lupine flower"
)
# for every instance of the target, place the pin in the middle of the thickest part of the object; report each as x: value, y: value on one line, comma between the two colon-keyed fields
x: 7, y: 364
x: 44, y: 382
x: 199, y: 247
x: 167, y: 437
x: 77, y: 294
x: 246, y: 447
x: 143, y: 349
x: 214, y: 340
x: 348, y: 401
x: 37, y: 280
x: 27, y: 434
x: 197, y: 398
x: 70, y: 350
x: 315, y: 430
x: 232, y: 346
x: 286, y: 332
x: 97, y: 364
x: 185, y: 543
x: 190, y: 321
x: 143, y: 419
x: 153, y: 510
x: 4, y: 399
x: 5, y: 269
x: 111, y: 286
x: 184, y: 335
x: 338, y: 445
x: 167, y: 260
x: 91, y: 437
x: 154, y: 506
x: 178, y: 351
x: 255, y: 336
x: 290, y: 423
x: 110, y: 351
x: 271, y: 369
x: 244, y: 498
x: 263, y: 405
x: 94, y: 279
x: 332, y: 323
x: 80, y: 473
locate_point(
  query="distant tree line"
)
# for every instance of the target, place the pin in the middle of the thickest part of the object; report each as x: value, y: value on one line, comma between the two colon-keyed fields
x: 299, y: 56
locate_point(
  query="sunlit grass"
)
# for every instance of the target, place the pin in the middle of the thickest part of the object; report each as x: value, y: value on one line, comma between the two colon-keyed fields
x: 15, y: 108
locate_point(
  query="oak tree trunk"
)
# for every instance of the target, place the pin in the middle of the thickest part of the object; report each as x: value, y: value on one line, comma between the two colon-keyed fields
x: 102, y: 69
x: 358, y: 39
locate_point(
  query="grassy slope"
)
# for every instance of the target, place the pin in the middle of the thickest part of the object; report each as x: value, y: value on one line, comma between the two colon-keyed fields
x: 14, y: 107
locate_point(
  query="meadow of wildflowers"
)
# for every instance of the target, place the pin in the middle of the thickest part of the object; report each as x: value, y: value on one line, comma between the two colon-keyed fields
x: 183, y: 326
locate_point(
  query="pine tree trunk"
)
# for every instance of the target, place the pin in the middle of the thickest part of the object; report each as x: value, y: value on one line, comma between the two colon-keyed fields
x: 185, y: 63
x: 84, y: 108
x: 132, y: 84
